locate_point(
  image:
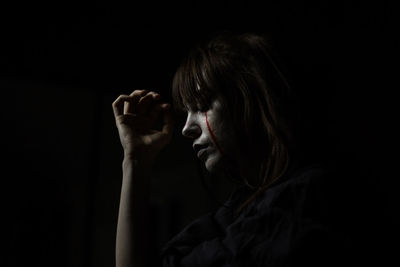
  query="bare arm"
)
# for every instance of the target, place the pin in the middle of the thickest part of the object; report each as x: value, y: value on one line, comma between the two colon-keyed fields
x: 135, y: 117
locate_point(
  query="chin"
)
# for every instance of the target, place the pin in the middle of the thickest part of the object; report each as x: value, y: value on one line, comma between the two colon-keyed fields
x: 213, y: 163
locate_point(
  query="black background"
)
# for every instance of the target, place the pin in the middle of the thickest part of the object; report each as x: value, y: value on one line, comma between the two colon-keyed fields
x: 62, y: 64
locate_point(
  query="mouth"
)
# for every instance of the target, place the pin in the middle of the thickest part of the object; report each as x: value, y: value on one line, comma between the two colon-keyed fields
x: 201, y: 153
x: 200, y: 150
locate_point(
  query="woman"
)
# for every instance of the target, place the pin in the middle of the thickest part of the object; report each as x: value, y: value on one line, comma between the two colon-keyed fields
x: 240, y: 117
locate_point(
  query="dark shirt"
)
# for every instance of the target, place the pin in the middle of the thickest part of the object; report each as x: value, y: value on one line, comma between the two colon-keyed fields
x: 302, y: 220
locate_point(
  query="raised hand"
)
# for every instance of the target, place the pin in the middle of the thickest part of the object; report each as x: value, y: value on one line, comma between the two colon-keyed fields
x: 136, y: 116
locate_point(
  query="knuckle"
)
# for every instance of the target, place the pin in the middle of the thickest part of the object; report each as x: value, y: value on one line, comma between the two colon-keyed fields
x: 139, y: 92
x: 154, y: 93
x: 119, y: 98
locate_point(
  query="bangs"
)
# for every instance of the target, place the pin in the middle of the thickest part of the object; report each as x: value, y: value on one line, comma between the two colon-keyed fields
x: 194, y: 85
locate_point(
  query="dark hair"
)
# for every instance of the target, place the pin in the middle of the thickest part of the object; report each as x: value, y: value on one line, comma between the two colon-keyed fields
x: 243, y: 69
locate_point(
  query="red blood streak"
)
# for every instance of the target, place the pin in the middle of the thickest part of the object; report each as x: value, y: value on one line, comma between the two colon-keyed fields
x: 212, y: 135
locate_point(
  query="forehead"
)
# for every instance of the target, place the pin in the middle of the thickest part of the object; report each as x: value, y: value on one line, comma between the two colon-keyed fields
x: 215, y: 102
x: 196, y: 97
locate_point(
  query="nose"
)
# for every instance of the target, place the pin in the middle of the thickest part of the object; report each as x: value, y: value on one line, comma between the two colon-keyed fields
x: 191, y: 129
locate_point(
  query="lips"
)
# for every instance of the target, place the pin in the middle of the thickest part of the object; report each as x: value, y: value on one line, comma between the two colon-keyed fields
x: 200, y: 149
x: 201, y: 153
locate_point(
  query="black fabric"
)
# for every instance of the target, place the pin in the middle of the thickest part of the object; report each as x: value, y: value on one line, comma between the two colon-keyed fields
x: 303, y: 220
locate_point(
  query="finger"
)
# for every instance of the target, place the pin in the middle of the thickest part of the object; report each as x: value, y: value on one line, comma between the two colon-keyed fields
x: 130, y: 107
x: 156, y: 96
x: 147, y: 103
x: 139, y: 92
x: 155, y: 113
x: 118, y: 105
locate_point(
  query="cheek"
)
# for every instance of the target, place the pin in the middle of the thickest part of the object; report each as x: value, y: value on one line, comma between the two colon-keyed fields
x: 212, y: 133
x: 220, y: 132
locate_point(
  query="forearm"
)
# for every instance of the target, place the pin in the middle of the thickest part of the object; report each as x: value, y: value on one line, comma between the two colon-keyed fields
x: 131, y: 241
x: 136, y: 117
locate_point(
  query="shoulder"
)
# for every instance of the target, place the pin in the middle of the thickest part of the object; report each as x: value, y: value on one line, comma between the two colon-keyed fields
x: 300, y: 179
x: 306, y: 192
x: 306, y: 174
x: 290, y: 221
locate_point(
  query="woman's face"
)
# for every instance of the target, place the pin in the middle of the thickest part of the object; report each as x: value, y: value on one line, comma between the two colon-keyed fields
x: 213, y: 135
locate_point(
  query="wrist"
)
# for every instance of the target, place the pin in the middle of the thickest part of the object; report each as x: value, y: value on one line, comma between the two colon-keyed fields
x: 137, y: 161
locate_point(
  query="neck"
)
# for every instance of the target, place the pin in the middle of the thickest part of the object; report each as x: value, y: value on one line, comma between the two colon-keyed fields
x: 250, y: 170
